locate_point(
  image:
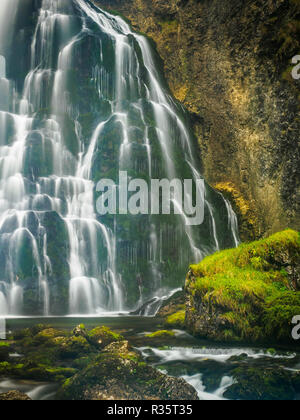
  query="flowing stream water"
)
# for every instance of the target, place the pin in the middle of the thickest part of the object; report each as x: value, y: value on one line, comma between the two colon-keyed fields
x: 82, y: 97
x: 209, y: 367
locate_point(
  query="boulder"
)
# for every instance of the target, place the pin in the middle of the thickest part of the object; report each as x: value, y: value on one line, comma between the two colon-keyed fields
x: 119, y: 373
x: 14, y: 396
x: 248, y: 294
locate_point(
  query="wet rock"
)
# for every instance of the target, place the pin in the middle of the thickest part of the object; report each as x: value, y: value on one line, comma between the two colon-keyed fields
x: 103, y: 336
x: 174, y: 304
x: 246, y: 294
x: 120, y: 374
x: 14, y: 396
x: 80, y: 331
x: 261, y: 384
x: 5, y: 349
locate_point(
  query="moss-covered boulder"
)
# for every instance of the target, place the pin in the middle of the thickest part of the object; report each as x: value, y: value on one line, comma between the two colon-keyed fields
x: 157, y: 339
x: 262, y: 384
x: 247, y: 294
x: 172, y: 311
x: 160, y: 334
x: 176, y: 320
x: 119, y: 373
x: 47, y: 354
x: 103, y: 336
x: 14, y: 396
x: 5, y: 349
x: 51, y: 344
x: 48, y: 336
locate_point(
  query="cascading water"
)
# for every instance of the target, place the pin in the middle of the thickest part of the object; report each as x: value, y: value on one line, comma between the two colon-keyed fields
x: 82, y: 98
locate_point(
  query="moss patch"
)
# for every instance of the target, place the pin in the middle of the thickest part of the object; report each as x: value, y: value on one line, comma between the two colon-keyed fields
x: 161, y: 334
x: 250, y: 293
x: 176, y: 320
x: 103, y: 336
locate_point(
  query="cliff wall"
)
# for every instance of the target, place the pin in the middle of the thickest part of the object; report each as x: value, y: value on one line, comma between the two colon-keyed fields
x: 229, y: 63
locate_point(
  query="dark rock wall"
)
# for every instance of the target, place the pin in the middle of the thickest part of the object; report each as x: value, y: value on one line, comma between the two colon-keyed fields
x: 229, y: 63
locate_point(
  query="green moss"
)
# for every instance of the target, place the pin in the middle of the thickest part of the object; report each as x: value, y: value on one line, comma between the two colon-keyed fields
x: 176, y: 320
x: 48, y: 334
x: 279, y: 314
x: 4, y: 365
x: 59, y: 374
x: 248, y: 288
x: 104, y: 336
x: 161, y: 334
x: 261, y: 384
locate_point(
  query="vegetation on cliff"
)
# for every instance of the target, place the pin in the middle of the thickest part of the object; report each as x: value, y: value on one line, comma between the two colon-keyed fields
x: 247, y: 294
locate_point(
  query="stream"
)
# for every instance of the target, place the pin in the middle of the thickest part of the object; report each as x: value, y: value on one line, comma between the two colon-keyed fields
x: 205, y: 365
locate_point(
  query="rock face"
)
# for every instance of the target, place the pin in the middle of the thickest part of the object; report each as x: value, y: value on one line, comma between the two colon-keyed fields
x: 229, y: 63
x: 249, y: 294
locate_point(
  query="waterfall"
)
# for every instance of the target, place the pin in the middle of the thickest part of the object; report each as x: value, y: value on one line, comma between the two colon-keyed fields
x: 82, y: 98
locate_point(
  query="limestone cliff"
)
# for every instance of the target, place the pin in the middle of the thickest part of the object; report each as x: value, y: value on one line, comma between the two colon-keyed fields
x: 229, y: 63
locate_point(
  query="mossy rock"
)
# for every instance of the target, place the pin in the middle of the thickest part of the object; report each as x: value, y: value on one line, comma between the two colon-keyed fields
x: 161, y: 334
x: 48, y: 335
x: 261, y: 384
x: 49, y: 354
x: 72, y: 347
x: 46, y: 373
x: 172, y: 305
x: 103, y: 336
x: 119, y: 373
x: 14, y: 396
x: 30, y: 332
x: 176, y: 320
x: 4, y: 354
x: 248, y: 294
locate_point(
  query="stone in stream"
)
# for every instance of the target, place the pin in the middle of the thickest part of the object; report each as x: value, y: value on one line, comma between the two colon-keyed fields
x: 119, y: 373
x: 263, y: 384
x: 14, y: 396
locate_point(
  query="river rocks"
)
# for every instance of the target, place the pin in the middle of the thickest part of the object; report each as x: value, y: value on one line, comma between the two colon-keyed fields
x: 60, y: 345
x: 14, y: 396
x: 248, y: 294
x: 119, y: 373
x: 47, y: 354
x: 89, y: 365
